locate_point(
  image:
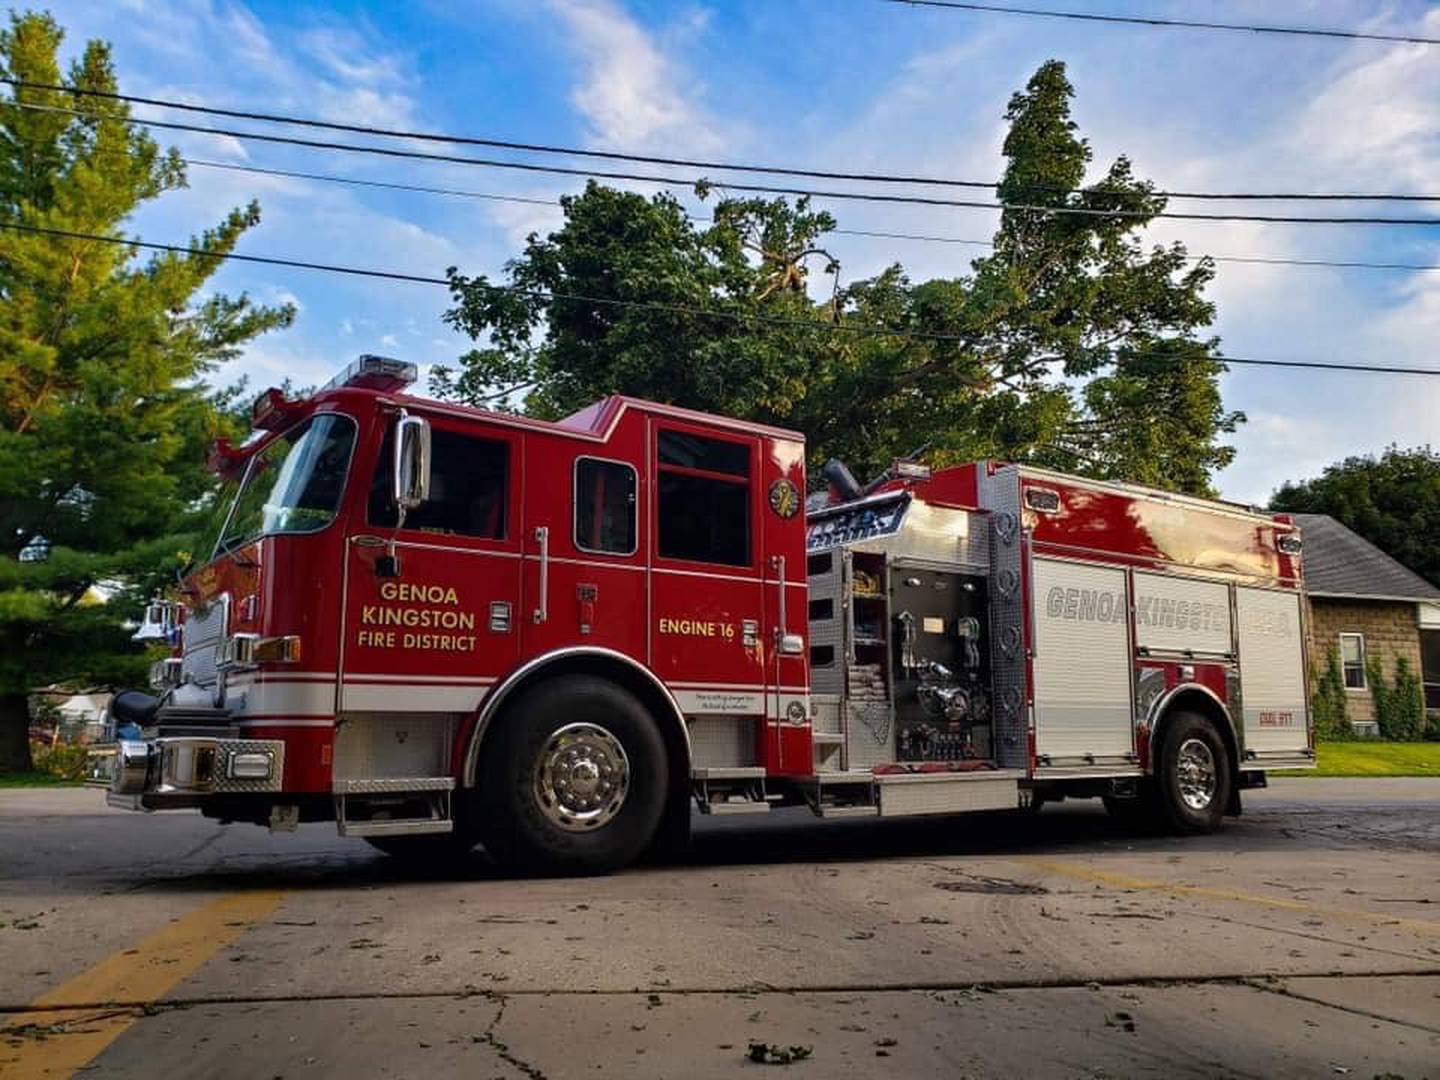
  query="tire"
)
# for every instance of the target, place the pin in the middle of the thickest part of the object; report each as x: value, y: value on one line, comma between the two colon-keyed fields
x: 1193, y: 778
x: 428, y: 850
x: 573, y: 780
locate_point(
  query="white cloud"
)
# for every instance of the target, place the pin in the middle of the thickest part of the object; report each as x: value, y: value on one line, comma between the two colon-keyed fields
x: 633, y: 95
x: 1376, y: 122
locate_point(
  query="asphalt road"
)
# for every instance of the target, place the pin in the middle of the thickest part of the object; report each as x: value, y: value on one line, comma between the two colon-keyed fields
x: 1303, y: 940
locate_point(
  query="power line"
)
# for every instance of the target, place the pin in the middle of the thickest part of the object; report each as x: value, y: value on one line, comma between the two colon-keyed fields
x: 857, y: 196
x: 742, y: 167
x: 1345, y: 264
x: 680, y: 309
x: 1181, y: 24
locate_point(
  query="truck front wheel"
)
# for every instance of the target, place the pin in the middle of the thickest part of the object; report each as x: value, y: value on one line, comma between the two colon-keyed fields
x: 1193, y: 775
x: 574, y: 779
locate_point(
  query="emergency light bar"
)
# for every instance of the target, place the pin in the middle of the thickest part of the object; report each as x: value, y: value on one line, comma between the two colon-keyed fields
x: 375, y: 373
x: 272, y: 411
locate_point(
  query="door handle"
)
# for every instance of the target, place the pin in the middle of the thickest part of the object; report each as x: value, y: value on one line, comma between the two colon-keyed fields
x: 542, y: 605
x: 786, y: 643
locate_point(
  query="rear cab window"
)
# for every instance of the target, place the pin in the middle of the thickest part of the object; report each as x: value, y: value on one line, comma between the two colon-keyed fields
x: 704, y: 499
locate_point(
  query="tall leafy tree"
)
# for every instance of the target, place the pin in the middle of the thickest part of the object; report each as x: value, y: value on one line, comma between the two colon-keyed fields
x: 1072, y: 345
x: 1393, y: 500
x: 104, y: 412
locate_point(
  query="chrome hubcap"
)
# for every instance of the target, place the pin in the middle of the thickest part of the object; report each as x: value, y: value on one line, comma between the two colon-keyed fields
x: 582, y: 777
x: 1195, y: 770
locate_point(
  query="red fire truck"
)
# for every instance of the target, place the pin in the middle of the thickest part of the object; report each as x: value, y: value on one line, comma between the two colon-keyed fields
x: 440, y: 627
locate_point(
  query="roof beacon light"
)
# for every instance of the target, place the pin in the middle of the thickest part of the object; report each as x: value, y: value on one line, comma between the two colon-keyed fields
x: 903, y: 469
x: 376, y: 373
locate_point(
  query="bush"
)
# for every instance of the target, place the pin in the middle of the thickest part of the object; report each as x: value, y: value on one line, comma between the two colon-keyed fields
x: 1327, y: 703
x: 1400, y: 703
x: 69, y: 761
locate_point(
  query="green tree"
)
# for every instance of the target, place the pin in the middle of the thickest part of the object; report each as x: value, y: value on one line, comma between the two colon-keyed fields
x: 1327, y: 701
x: 1072, y: 345
x: 104, y: 414
x: 1392, y: 500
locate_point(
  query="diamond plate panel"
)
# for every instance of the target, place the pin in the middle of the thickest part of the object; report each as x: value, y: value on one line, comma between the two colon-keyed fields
x: 722, y: 742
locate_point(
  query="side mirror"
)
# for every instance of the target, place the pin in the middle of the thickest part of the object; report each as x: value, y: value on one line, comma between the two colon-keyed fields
x: 411, y: 477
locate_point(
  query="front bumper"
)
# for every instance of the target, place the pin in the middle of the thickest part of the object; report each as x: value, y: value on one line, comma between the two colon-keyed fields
x: 172, y: 772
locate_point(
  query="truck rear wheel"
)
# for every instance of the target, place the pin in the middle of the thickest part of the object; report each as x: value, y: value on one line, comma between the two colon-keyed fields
x: 1193, y: 777
x: 574, y: 779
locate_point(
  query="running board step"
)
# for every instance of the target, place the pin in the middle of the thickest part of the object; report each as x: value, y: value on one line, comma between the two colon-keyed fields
x: 395, y: 827
x: 734, y: 807
x: 393, y: 806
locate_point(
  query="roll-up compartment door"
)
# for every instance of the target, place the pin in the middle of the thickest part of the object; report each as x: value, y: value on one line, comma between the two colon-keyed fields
x: 1272, y: 670
x: 1174, y: 614
x: 1082, y: 661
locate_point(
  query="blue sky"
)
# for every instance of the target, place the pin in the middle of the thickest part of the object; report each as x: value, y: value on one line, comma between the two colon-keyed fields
x: 851, y: 84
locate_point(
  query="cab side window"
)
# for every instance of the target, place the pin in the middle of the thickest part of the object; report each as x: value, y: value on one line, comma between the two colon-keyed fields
x: 469, y: 487
x: 703, y: 499
x: 604, y: 506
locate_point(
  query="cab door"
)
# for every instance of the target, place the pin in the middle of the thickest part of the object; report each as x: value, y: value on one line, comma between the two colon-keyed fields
x: 707, y: 572
x: 431, y: 602
x: 584, y: 568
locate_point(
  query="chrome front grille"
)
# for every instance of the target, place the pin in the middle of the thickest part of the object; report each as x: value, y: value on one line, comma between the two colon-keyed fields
x: 204, y: 630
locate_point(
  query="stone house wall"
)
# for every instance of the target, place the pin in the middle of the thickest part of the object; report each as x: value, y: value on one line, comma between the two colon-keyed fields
x: 1391, y: 629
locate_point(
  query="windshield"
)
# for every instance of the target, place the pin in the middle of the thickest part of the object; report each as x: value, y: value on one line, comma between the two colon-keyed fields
x: 294, y: 484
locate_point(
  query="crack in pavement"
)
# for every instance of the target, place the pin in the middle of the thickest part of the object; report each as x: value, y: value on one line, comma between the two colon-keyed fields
x: 502, y: 1050
x: 1286, y: 991
x: 746, y: 989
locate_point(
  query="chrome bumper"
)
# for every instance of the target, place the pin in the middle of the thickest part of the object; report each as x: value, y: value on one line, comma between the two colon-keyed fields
x: 153, y: 774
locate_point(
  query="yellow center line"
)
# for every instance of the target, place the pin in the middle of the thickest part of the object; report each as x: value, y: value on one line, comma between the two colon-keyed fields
x: 1175, y: 888
x: 58, y: 1041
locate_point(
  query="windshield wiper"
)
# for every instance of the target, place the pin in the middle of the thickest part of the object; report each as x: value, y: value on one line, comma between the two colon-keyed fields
x: 228, y: 547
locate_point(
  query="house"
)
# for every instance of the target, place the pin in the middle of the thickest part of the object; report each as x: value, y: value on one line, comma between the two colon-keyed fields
x: 1365, y: 604
x: 60, y: 715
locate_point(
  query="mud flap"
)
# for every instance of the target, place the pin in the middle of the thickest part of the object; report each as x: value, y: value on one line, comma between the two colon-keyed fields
x: 1232, y: 808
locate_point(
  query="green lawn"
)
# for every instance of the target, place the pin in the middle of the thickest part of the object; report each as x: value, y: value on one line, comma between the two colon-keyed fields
x: 36, y: 779
x: 1374, y: 759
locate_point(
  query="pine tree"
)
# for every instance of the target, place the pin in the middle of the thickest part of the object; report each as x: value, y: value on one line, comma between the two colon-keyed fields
x: 104, y: 412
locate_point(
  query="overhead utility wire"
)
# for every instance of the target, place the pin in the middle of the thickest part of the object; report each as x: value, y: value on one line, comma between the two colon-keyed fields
x: 856, y: 196
x: 654, y: 305
x: 1180, y: 24
x: 872, y: 233
x: 648, y: 159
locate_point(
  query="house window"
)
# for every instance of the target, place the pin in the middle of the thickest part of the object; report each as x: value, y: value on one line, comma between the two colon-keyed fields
x: 1430, y: 667
x: 469, y: 487
x: 1352, y: 660
x: 703, y: 506
x: 604, y: 506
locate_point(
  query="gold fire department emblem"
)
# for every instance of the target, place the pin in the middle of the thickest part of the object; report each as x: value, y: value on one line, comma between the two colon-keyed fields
x: 784, y: 499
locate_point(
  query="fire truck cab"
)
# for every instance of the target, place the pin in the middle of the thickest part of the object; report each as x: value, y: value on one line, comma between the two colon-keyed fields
x: 441, y: 626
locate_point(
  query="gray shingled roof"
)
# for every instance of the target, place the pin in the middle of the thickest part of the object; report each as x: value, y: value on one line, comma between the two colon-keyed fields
x: 1337, y: 562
